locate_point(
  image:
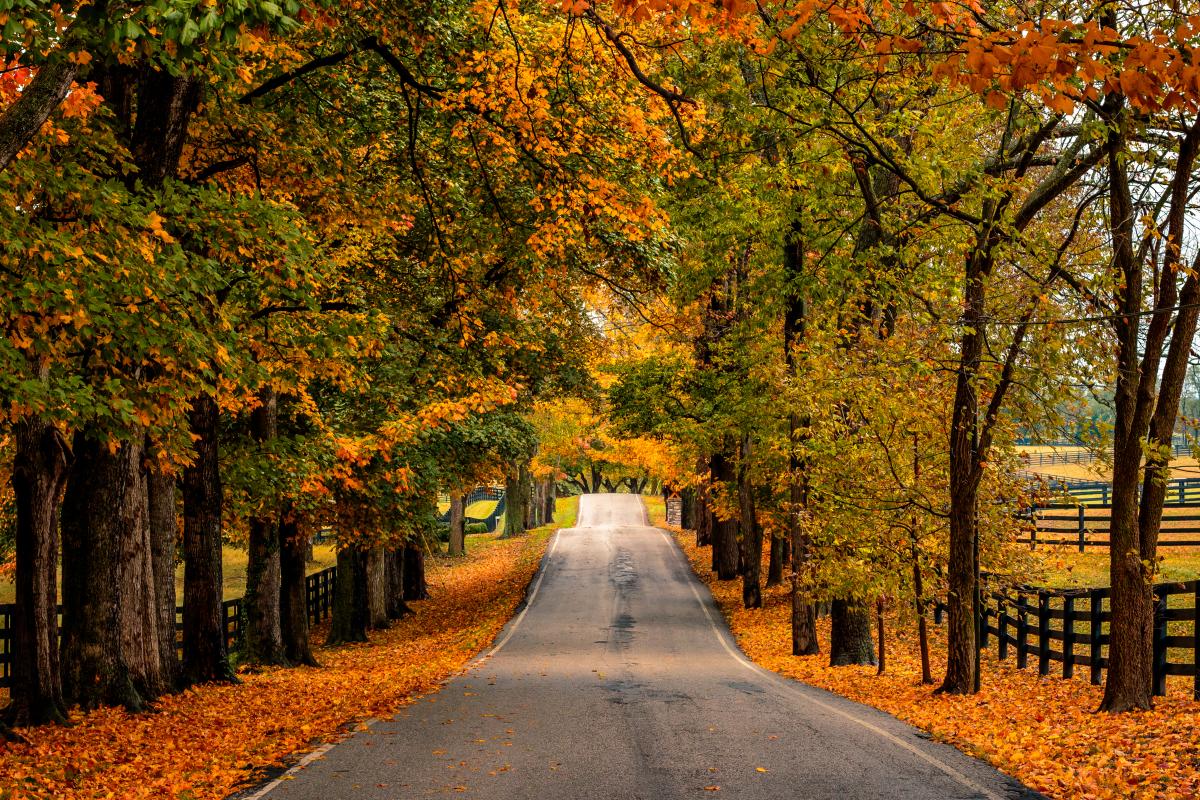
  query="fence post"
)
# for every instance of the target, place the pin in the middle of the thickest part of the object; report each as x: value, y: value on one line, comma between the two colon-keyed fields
x: 1022, y: 631
x: 1043, y: 633
x: 1033, y: 535
x: 984, y: 612
x: 1181, y: 500
x: 1095, y: 610
x: 1068, y: 637
x: 1196, y: 640
x: 1082, y: 529
x: 1160, y: 642
x: 1002, y: 625
x: 1104, y: 494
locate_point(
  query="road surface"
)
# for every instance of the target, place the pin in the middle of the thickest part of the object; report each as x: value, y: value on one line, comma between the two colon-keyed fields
x: 619, y: 680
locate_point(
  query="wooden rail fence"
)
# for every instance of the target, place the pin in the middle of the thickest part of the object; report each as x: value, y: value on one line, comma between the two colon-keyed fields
x: 1069, y: 627
x: 318, y: 591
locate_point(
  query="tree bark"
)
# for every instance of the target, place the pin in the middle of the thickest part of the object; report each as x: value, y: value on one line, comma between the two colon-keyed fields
x: 24, y: 118
x: 351, y: 614
x: 110, y: 643
x: 457, y: 540
x: 775, y: 562
x: 751, y: 533
x: 293, y: 594
x: 850, y: 634
x: 397, y: 608
x: 725, y: 532
x: 164, y: 538
x: 205, y: 657
x: 377, y: 588
x: 39, y: 476
x: 550, y: 496
x: 413, y: 578
x: 516, y: 490
x: 262, y: 637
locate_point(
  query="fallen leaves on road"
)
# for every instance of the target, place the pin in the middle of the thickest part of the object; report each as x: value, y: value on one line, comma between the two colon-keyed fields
x: 205, y: 742
x: 1040, y: 730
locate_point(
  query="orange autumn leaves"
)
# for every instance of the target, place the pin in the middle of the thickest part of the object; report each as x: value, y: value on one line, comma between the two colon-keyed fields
x: 1042, y: 731
x: 208, y: 741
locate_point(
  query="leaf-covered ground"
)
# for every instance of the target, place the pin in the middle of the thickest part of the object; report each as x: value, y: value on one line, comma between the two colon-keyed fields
x: 1043, y: 731
x: 206, y: 742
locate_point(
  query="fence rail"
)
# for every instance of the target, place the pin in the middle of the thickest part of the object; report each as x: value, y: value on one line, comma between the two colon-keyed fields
x: 318, y: 592
x: 1083, y: 455
x: 1071, y: 628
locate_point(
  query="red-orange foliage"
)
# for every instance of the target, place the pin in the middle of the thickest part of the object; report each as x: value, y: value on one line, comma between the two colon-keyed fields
x: 1040, y: 730
x: 208, y: 740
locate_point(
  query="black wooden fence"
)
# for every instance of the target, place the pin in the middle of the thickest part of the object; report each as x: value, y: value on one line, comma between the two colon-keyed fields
x: 318, y: 590
x: 1070, y: 627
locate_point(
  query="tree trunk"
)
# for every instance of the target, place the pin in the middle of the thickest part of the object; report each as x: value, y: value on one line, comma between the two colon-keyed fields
x: 39, y: 477
x: 262, y: 637
x: 110, y: 642
x: 350, y: 610
x: 293, y: 594
x: 550, y: 496
x: 25, y: 116
x: 775, y: 563
x: 516, y: 489
x: 413, y: 580
x: 850, y: 634
x: 397, y: 608
x: 687, y: 509
x: 725, y: 532
x: 965, y: 473
x: 377, y: 588
x: 164, y: 540
x: 795, y: 321
x: 751, y: 534
x: 204, y: 651
x: 458, y: 539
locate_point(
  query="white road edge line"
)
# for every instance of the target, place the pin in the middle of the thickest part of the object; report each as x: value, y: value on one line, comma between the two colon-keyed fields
x: 325, y: 748
x: 537, y: 584
x: 750, y: 665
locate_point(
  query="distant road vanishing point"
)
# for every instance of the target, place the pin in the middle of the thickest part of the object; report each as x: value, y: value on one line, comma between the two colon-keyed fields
x: 619, y: 679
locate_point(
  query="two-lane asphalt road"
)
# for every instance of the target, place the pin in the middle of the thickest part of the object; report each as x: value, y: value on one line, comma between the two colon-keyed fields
x: 619, y: 680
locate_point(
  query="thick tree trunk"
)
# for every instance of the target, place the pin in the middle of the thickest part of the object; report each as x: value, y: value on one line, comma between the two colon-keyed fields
x: 515, y: 488
x: 397, y: 608
x: 775, y: 562
x: 204, y: 651
x: 458, y: 539
x: 110, y: 642
x: 377, y: 588
x: 725, y: 532
x: 413, y: 578
x: 262, y: 642
x: 850, y: 634
x: 262, y: 638
x: 687, y: 509
x: 39, y: 477
x: 351, y: 614
x: 164, y: 540
x: 550, y: 498
x: 751, y: 534
x: 293, y: 594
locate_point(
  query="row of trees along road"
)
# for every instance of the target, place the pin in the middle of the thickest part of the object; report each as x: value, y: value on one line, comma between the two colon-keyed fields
x: 277, y: 267
x: 284, y: 266
x: 909, y: 230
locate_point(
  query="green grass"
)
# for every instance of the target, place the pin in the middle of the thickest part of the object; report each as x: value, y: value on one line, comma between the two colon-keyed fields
x: 566, y: 511
x: 1065, y: 567
x: 233, y: 568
